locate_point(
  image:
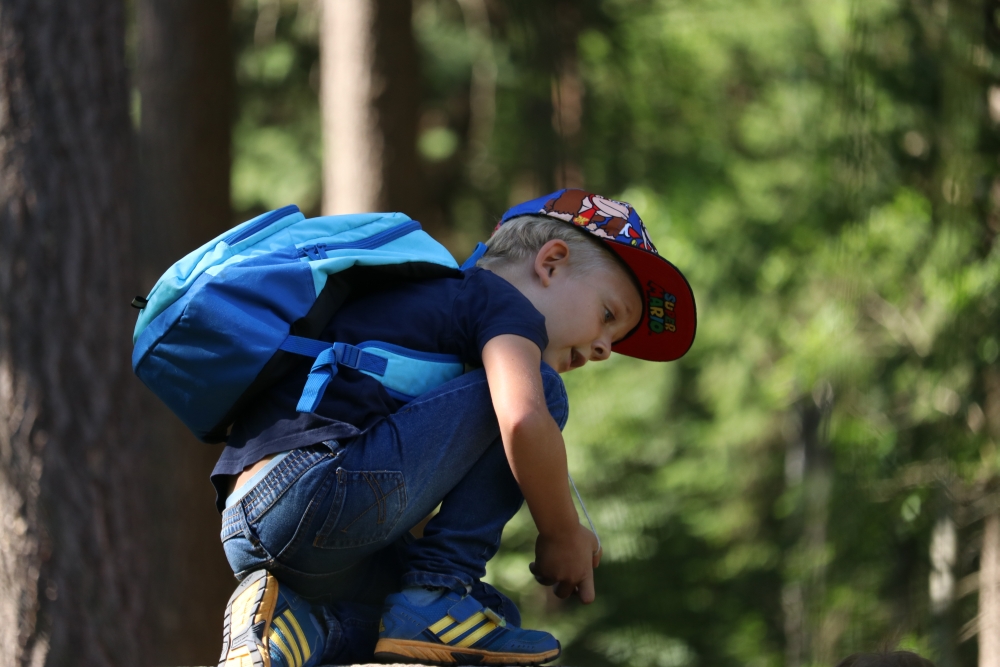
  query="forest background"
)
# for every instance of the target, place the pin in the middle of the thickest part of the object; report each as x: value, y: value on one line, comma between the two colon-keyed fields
x: 818, y: 476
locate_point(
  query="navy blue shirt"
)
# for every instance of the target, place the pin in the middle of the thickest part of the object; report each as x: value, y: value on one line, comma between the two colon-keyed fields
x: 447, y: 315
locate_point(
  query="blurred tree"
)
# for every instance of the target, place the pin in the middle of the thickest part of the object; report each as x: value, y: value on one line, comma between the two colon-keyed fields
x: 989, y: 594
x: 186, y: 84
x: 72, y: 557
x: 370, y: 98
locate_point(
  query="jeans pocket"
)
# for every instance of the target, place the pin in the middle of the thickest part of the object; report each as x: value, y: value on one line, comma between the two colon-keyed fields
x: 280, y: 509
x: 366, y: 507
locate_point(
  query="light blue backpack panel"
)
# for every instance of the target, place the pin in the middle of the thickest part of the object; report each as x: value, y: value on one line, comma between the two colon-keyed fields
x: 217, y: 327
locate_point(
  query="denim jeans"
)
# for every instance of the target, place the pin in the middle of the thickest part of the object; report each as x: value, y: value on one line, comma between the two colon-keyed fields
x: 332, y: 521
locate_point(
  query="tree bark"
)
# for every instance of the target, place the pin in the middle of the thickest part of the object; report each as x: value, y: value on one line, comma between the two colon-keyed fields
x: 370, y: 99
x: 941, y: 586
x: 185, y: 77
x: 808, y: 465
x: 186, y: 83
x: 567, y: 98
x: 72, y: 558
x: 989, y: 593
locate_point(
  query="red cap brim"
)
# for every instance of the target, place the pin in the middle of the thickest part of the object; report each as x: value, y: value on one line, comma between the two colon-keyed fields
x: 666, y: 330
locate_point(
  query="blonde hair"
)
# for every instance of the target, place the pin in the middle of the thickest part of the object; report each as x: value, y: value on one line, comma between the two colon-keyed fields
x: 522, y: 238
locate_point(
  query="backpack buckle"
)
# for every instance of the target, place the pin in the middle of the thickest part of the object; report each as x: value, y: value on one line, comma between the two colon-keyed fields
x: 348, y: 355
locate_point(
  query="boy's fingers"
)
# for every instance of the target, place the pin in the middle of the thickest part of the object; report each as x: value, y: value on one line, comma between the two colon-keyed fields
x: 543, y: 580
x: 597, y: 557
x: 564, y: 589
x: 586, y: 590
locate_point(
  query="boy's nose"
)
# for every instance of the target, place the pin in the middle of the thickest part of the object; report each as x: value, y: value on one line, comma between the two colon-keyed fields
x: 601, y: 350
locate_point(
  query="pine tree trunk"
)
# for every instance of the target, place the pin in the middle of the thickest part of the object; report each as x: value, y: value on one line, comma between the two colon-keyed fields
x: 370, y: 98
x: 941, y: 583
x: 567, y: 97
x: 72, y: 561
x: 808, y: 465
x: 185, y: 78
x: 989, y: 593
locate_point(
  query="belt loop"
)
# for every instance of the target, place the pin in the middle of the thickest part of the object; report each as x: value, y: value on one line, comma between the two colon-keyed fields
x: 244, y: 524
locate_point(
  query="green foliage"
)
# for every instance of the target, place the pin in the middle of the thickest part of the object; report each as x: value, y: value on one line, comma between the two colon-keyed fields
x: 825, y: 174
x: 277, y: 153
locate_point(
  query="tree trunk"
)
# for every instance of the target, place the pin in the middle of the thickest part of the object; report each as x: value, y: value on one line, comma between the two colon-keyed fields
x: 941, y: 584
x: 72, y: 561
x: 567, y: 97
x: 186, y: 83
x: 185, y: 78
x: 808, y: 465
x: 370, y: 99
x: 989, y: 593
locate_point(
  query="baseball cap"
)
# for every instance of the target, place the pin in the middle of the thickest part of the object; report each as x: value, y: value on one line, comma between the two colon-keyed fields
x: 666, y: 330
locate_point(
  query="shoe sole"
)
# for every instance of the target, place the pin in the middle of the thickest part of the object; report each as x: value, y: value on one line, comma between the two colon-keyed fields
x: 252, y: 603
x: 413, y: 651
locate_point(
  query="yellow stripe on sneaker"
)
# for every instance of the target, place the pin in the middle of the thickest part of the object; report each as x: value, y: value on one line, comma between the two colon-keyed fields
x: 438, y: 627
x: 275, y: 638
x: 290, y: 639
x: 477, y: 634
x: 303, y: 644
x: 463, y: 627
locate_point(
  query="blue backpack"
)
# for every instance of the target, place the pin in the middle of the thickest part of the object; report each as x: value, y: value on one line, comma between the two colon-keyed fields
x: 220, y: 325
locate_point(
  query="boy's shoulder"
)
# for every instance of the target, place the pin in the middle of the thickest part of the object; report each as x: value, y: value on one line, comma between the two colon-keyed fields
x: 473, y: 297
x: 482, y: 287
x: 474, y: 306
x: 469, y: 284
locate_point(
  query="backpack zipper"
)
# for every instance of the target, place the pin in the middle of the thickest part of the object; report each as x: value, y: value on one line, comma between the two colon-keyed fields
x: 318, y: 250
x: 273, y: 216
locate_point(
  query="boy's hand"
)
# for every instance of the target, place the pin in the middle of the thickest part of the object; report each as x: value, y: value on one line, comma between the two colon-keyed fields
x: 567, y: 561
x: 566, y: 552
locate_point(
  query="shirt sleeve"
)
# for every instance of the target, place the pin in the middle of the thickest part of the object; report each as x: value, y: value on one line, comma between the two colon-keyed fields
x: 488, y: 306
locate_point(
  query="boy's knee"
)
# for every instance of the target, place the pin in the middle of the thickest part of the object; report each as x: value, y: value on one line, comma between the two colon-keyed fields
x: 555, y: 395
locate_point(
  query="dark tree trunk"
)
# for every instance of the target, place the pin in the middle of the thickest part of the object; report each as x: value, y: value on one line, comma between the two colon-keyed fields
x: 186, y: 84
x: 371, y: 104
x: 72, y: 562
x: 185, y: 78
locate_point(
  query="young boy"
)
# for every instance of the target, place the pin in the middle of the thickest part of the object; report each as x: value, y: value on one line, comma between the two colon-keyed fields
x: 320, y: 505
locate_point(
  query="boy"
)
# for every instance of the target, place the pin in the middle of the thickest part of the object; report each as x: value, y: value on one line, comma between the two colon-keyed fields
x: 322, y: 502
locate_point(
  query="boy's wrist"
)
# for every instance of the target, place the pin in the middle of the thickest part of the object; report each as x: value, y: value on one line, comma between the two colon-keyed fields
x: 557, y: 525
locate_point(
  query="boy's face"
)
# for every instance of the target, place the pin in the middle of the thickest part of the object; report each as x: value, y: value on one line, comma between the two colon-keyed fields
x: 585, y: 310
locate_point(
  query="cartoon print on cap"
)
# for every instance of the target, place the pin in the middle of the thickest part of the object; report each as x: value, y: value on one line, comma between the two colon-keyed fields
x: 601, y: 216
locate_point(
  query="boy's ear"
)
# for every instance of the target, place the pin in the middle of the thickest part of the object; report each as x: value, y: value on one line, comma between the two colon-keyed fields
x: 551, y: 258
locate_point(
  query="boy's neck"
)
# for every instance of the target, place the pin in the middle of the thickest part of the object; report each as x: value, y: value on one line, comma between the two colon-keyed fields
x: 518, y: 275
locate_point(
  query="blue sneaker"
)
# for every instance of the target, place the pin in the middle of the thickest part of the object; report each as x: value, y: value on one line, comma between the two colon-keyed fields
x: 457, y: 630
x: 268, y: 625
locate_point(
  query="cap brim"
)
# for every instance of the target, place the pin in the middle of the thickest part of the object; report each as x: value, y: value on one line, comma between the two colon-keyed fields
x: 666, y: 330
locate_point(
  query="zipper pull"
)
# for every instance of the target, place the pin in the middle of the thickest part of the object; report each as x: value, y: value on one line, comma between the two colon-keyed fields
x: 315, y: 252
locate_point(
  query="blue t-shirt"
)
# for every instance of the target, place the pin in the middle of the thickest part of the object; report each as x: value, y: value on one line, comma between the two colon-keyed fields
x: 447, y: 315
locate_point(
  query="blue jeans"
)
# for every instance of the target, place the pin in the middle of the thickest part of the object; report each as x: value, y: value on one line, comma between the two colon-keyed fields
x: 332, y: 521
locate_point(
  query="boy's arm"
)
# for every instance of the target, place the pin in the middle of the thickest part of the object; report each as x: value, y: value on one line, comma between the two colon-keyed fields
x: 565, y: 553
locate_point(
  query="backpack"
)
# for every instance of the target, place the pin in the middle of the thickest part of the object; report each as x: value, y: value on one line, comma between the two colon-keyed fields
x: 222, y: 324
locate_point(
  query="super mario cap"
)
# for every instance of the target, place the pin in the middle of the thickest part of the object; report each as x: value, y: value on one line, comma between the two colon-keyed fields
x: 666, y: 330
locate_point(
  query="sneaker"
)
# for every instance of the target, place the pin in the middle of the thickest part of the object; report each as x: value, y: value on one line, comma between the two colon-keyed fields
x: 268, y: 625
x: 457, y: 630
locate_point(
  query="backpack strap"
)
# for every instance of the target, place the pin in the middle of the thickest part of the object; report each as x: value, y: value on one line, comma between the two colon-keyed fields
x: 403, y: 372
x: 476, y: 255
